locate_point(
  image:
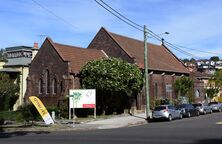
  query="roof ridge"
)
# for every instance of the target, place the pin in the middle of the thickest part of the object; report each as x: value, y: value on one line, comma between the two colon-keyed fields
x: 68, y: 45
x: 110, y: 34
x: 133, y: 39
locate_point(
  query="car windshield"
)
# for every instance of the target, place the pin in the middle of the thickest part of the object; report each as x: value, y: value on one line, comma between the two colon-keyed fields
x: 159, y: 108
x: 196, y: 105
x: 182, y: 106
x: 212, y: 103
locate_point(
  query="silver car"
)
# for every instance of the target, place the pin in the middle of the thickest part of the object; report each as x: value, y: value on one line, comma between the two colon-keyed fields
x: 167, y: 112
x: 202, y: 108
x: 215, y: 106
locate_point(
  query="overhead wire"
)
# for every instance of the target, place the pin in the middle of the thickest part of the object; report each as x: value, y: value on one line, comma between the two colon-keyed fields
x: 208, y: 52
x: 52, y: 13
x: 119, y: 17
x: 138, y: 27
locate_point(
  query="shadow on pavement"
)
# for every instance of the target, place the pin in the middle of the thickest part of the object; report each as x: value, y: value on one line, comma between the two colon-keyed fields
x: 136, y: 116
x: 209, y: 141
x: 20, y: 133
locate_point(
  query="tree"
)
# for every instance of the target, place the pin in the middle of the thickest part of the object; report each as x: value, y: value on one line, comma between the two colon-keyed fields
x: 2, y: 55
x: 185, y: 60
x: 214, y: 58
x: 216, y: 79
x: 211, y: 92
x: 215, y: 83
x: 8, y: 91
x: 183, y: 87
x: 115, y: 81
x: 192, y: 60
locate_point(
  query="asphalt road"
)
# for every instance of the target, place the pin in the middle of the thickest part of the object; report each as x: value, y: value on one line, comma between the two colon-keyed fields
x: 196, y: 130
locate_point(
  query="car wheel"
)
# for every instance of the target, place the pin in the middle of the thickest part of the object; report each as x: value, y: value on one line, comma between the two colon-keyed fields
x: 180, y: 116
x: 188, y: 115
x: 170, y: 118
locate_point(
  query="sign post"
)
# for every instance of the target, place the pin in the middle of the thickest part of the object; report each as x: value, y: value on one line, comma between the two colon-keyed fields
x: 82, y: 98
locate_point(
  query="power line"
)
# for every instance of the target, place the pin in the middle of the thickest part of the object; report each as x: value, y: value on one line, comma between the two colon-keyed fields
x: 180, y: 50
x: 198, y: 50
x: 138, y: 27
x: 119, y: 16
x: 52, y: 13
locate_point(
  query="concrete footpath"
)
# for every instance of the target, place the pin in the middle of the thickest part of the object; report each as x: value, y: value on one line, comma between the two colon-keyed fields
x: 117, y: 121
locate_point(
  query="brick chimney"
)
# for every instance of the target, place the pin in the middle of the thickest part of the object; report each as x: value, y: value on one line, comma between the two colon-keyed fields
x: 35, y: 50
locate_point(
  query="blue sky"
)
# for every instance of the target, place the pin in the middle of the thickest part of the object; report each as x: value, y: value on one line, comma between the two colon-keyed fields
x: 194, y: 24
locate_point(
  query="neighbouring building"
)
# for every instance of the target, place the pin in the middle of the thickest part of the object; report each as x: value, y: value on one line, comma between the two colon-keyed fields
x: 164, y: 66
x: 17, y: 66
x: 55, y: 69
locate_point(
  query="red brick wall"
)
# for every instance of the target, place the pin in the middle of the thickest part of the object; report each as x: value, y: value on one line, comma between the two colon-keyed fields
x: 48, y: 59
x: 103, y: 41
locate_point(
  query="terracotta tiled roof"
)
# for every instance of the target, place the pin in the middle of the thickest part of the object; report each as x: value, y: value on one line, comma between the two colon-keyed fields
x: 159, y: 57
x: 77, y: 56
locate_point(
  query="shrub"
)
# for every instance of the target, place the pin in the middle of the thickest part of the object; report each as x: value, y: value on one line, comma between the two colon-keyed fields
x: 162, y: 102
x: 29, y: 112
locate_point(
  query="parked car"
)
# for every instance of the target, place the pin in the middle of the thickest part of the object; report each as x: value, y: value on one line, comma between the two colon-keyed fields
x: 202, y: 108
x: 215, y: 106
x: 188, y: 110
x: 167, y: 112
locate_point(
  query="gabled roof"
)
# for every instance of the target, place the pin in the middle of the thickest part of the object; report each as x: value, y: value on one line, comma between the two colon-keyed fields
x: 77, y: 56
x: 159, y: 56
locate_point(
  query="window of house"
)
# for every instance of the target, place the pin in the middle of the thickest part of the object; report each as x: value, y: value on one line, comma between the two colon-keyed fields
x: 54, y: 86
x: 40, y: 86
x: 47, y: 82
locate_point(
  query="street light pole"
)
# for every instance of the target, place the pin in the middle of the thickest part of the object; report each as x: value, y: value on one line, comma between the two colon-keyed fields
x: 146, y: 73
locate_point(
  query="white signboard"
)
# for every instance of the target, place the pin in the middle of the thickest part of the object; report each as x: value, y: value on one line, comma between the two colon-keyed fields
x: 82, y: 98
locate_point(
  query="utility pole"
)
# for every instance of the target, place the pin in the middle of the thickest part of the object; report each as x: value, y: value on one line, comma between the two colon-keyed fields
x: 146, y: 73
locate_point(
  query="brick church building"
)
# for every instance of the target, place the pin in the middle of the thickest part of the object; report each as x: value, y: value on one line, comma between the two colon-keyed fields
x: 55, y: 68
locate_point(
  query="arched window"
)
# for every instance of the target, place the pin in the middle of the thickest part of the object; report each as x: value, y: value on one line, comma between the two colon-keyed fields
x: 54, y: 86
x: 197, y: 93
x: 156, y: 90
x: 40, y: 86
x: 61, y: 86
x: 47, y: 82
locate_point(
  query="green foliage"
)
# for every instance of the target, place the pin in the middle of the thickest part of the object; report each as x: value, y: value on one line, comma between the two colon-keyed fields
x: 215, y: 83
x: 216, y: 79
x: 211, y: 92
x: 29, y: 112
x: 3, y: 55
x: 162, y: 102
x: 110, y: 74
x: 9, y: 90
x: 192, y: 60
x: 115, y: 81
x: 214, y: 58
x: 185, y: 60
x: 11, y: 115
x: 183, y: 85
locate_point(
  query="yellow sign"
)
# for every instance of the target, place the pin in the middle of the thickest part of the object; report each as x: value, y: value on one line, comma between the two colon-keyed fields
x: 41, y: 109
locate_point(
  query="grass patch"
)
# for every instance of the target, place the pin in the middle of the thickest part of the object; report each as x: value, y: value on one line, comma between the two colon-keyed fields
x: 11, y: 115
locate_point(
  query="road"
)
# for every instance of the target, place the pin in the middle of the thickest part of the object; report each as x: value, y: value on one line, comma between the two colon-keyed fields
x: 196, y: 130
